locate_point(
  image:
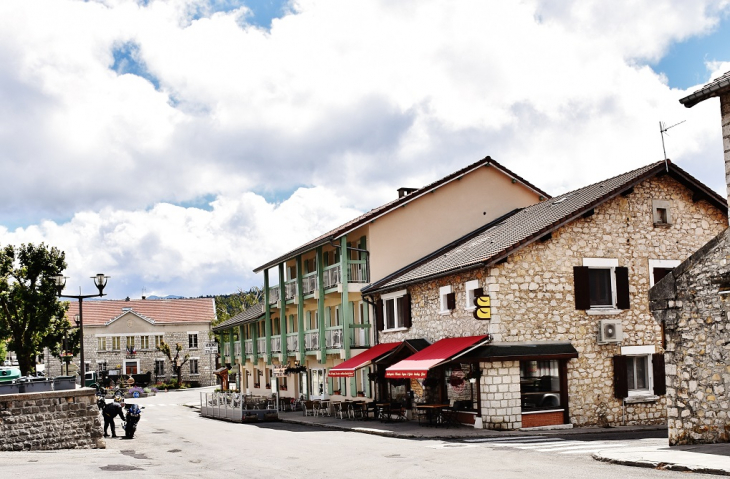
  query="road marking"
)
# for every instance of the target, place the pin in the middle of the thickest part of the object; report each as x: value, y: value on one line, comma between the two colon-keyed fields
x: 549, y: 445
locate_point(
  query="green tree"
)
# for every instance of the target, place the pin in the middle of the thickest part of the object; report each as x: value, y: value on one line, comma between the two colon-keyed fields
x: 30, y: 313
x: 3, y: 350
x: 177, y: 363
x: 229, y: 305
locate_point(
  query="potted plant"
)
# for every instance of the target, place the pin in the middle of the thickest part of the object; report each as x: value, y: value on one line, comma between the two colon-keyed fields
x: 336, y: 392
x: 361, y: 394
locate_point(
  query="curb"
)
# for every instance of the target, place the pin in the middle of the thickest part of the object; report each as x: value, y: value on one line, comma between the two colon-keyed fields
x: 663, y: 466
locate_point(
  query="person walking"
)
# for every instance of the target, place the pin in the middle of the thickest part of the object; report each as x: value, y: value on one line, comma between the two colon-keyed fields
x: 110, y: 412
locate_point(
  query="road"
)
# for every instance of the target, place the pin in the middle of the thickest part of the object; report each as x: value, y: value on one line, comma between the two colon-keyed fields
x: 174, y: 441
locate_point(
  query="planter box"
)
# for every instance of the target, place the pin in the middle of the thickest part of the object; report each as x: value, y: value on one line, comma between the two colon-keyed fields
x: 61, y: 383
x: 38, y: 386
x: 10, y: 388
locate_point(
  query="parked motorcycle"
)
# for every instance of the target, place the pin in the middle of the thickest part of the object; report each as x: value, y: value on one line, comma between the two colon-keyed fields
x: 133, y: 417
x: 100, y: 394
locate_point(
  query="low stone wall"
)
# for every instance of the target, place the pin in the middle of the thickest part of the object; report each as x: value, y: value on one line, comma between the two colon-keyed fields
x: 50, y: 420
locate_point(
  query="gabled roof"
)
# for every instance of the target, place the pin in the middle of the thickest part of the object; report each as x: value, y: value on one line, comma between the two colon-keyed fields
x: 495, y: 242
x: 134, y: 313
x: 249, y: 315
x: 156, y: 311
x: 714, y: 88
x: 384, y: 209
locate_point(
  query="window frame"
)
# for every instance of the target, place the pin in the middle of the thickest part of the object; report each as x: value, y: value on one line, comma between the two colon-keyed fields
x: 399, y: 319
x: 469, y: 288
x: 195, y: 361
x: 116, y: 341
x: 101, y: 343
x: 660, y: 263
x: 620, y: 286
x: 193, y: 335
x: 444, y: 291
x: 665, y: 205
x: 144, y: 342
x: 159, y: 371
x: 646, y: 353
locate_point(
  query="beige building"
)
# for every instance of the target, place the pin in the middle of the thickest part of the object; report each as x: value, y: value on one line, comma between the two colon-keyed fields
x: 571, y: 339
x: 121, y: 337
x: 314, y: 313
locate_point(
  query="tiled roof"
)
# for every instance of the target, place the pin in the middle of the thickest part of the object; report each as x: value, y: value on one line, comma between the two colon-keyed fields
x: 253, y: 312
x: 714, y: 88
x: 350, y: 225
x: 158, y: 311
x: 497, y: 240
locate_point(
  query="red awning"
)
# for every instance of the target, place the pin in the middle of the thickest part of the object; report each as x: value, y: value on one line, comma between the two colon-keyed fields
x: 417, y: 366
x: 347, y: 369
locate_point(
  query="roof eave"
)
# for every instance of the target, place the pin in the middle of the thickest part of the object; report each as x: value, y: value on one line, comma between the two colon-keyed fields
x: 710, y: 91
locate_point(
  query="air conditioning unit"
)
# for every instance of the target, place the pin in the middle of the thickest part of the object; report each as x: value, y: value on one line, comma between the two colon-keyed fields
x: 609, y: 331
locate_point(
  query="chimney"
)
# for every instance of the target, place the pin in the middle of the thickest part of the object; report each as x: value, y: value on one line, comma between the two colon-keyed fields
x: 405, y: 191
x: 144, y: 297
x: 719, y: 87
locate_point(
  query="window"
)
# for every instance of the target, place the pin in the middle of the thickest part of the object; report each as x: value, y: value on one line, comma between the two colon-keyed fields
x: 659, y: 268
x: 101, y: 343
x: 601, y: 286
x: 472, y: 290
x: 193, y: 340
x: 159, y: 367
x: 447, y: 299
x: 540, y: 385
x: 639, y: 373
x: 144, y: 342
x: 130, y: 342
x: 397, y: 310
x: 101, y: 366
x: 116, y: 343
x: 194, y: 366
x: 158, y: 341
x: 661, y: 213
x: 131, y: 367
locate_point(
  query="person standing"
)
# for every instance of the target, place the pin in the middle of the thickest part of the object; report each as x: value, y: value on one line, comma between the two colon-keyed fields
x: 110, y: 412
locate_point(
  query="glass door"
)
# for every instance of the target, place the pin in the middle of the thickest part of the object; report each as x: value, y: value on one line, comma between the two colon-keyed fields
x: 319, y: 384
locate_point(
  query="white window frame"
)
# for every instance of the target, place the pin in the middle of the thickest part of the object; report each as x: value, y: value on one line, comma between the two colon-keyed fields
x: 101, y: 340
x: 609, y: 264
x: 158, y: 340
x: 443, y: 306
x: 118, y: 340
x: 398, y: 321
x: 645, y: 352
x: 127, y: 361
x: 469, y: 288
x: 142, y: 344
x: 661, y: 263
x: 99, y: 363
x: 159, y: 361
x: 197, y: 366
x: 197, y: 342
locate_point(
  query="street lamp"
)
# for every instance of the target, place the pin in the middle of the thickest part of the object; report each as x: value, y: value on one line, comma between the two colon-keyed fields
x: 100, y: 282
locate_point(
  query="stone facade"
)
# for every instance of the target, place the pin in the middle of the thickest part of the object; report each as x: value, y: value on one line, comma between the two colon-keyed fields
x: 50, y: 420
x: 696, y: 322
x: 500, y: 390
x: 533, y: 298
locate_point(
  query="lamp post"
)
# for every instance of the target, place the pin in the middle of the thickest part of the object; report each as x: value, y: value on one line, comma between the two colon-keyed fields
x: 100, y: 282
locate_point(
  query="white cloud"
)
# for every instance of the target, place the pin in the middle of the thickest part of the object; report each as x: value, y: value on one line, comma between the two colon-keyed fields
x: 349, y: 99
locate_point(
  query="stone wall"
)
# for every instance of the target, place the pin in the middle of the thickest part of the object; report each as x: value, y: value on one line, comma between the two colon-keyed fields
x: 696, y: 321
x: 50, y: 420
x: 500, y: 389
x: 533, y: 293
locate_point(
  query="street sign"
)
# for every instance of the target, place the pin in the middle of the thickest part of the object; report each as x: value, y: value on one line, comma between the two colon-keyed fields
x: 483, y: 307
x: 211, y: 347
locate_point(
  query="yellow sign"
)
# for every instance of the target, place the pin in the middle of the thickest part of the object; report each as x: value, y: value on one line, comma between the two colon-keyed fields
x: 483, y: 307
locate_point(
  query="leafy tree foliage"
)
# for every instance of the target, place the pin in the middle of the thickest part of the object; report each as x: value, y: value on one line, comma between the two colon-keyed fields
x: 229, y: 305
x: 31, y: 315
x: 177, y: 363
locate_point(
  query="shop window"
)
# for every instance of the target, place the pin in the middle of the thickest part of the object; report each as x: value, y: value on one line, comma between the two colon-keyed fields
x: 540, y: 385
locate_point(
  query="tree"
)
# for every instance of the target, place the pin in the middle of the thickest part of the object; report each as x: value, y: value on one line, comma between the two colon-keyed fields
x: 229, y: 305
x: 177, y: 364
x: 30, y: 313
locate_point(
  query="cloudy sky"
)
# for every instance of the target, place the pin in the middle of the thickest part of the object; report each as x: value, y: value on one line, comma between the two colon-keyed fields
x: 177, y: 144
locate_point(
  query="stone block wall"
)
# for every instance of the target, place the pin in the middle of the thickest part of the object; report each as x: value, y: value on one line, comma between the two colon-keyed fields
x: 50, y: 420
x: 500, y: 391
x: 533, y: 293
x: 697, y: 323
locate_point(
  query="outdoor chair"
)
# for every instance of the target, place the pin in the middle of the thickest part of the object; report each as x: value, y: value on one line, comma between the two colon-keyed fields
x: 308, y: 408
x: 355, y: 410
x: 324, y: 408
x: 340, y: 410
x: 421, y: 415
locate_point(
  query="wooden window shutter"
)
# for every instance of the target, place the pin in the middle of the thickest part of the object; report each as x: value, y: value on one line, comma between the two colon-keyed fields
x: 379, y: 315
x: 407, y: 321
x: 660, y: 375
x: 451, y: 301
x: 478, y: 292
x: 582, y: 292
x: 620, y: 379
x: 622, y: 288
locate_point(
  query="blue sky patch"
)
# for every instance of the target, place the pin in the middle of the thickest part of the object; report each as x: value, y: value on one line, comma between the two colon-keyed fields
x: 127, y: 60
x: 684, y: 64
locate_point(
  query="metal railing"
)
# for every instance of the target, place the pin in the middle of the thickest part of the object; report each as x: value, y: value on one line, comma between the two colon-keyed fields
x: 226, y: 349
x: 292, y: 342
x: 261, y: 345
x: 237, y: 349
x: 358, y: 272
x: 360, y: 337
x: 291, y: 289
x: 248, y: 347
x: 331, y: 276
x: 309, y: 283
x: 276, y: 344
x: 334, y: 337
x: 273, y: 294
x: 311, y: 340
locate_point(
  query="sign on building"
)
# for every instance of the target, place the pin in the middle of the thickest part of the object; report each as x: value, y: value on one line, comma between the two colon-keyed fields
x: 211, y: 347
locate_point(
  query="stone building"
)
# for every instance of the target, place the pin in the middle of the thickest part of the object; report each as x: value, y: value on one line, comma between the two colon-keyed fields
x: 121, y: 337
x: 691, y: 303
x: 571, y: 339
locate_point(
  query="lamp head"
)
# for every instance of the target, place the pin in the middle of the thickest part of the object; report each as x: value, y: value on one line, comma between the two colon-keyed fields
x: 60, y: 281
x: 77, y: 319
x: 100, y: 282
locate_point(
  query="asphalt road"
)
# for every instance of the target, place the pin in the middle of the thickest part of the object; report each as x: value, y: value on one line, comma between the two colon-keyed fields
x: 174, y: 441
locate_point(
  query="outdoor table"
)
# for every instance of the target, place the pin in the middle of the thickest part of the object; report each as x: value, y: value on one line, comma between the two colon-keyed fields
x: 433, y: 412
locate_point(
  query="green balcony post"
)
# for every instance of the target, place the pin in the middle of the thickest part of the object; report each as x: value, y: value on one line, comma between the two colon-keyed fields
x: 231, y: 349
x: 345, y: 312
x: 320, y: 307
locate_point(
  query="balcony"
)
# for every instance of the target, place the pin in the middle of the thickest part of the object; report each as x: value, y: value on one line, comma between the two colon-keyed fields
x: 226, y: 349
x: 291, y: 289
x: 273, y: 295
x: 261, y: 346
x: 331, y: 276
x: 237, y: 349
x: 309, y: 283
x: 248, y: 347
x: 334, y: 337
x: 292, y: 342
x: 276, y: 344
x: 311, y: 340
x: 360, y: 337
x: 357, y: 273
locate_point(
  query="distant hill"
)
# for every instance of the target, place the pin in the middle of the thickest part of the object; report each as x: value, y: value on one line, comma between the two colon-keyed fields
x: 169, y: 296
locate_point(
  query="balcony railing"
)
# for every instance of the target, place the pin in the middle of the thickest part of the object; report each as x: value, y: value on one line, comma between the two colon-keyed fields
x: 276, y: 344
x: 226, y: 349
x: 358, y: 272
x: 273, y: 294
x: 309, y: 283
x: 334, y: 337
x: 360, y: 337
x: 261, y: 346
x: 248, y: 347
x: 292, y: 342
x: 331, y: 276
x: 291, y: 289
x: 311, y: 340
x: 237, y: 349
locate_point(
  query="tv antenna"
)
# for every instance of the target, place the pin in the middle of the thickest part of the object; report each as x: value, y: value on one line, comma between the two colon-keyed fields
x: 663, y: 129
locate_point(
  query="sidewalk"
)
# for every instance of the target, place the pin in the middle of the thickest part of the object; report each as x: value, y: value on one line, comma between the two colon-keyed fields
x: 652, y: 453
